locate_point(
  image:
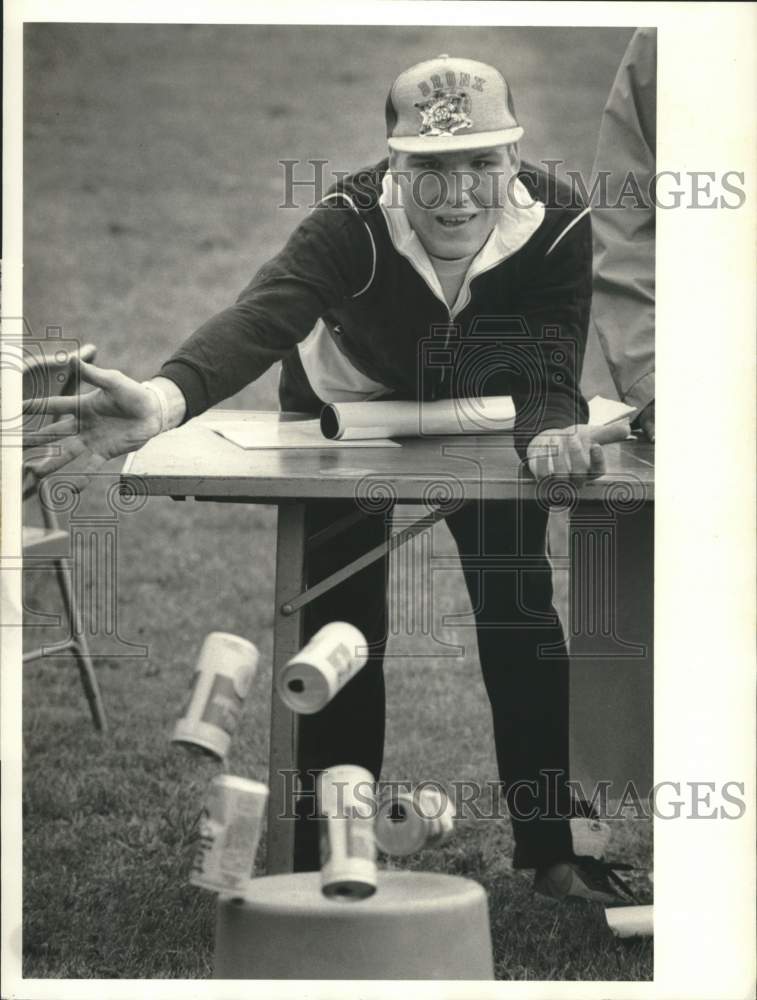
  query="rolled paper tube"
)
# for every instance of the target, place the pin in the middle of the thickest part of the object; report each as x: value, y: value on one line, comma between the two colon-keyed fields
x: 309, y: 681
x: 398, y: 418
x: 467, y: 415
x: 630, y: 921
x: 348, y: 845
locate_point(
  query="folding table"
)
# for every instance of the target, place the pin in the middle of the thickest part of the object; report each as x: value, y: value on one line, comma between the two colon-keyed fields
x: 609, y: 555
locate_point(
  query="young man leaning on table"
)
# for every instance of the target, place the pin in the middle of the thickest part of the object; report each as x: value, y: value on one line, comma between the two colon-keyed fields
x: 450, y: 228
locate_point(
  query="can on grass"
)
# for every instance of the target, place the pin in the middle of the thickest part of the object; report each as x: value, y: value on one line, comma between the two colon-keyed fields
x: 413, y: 821
x: 230, y: 827
x: 221, y: 682
x: 330, y: 659
x: 347, y: 804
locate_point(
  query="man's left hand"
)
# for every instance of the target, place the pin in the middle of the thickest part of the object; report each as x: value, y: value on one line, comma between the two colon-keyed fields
x: 572, y: 452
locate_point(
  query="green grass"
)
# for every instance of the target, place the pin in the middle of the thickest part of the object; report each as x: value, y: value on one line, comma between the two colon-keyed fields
x: 151, y: 187
x: 110, y: 825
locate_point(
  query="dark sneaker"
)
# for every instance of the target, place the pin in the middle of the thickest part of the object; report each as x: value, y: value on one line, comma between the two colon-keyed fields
x: 584, y: 878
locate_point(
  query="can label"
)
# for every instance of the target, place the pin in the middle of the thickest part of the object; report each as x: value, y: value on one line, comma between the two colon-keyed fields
x: 184, y: 710
x: 361, y: 842
x: 205, y: 844
x: 325, y: 843
x: 222, y: 678
x: 230, y: 826
x: 348, y: 844
x: 340, y: 659
x: 438, y: 812
x: 235, y: 847
x: 224, y: 706
x: 359, y: 839
x: 308, y: 682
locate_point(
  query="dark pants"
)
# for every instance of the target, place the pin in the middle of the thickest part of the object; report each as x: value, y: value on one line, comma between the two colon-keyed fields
x: 527, y: 689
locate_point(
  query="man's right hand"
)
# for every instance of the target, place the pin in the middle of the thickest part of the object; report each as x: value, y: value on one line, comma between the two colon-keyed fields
x: 118, y: 417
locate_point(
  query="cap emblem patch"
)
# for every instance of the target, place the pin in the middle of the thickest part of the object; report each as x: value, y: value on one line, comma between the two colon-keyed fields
x: 445, y: 113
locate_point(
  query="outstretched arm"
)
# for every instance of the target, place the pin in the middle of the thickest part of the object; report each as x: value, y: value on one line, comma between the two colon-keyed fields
x: 320, y: 266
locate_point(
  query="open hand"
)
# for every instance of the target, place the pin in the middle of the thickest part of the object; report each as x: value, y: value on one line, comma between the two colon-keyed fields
x: 573, y: 452
x: 118, y: 417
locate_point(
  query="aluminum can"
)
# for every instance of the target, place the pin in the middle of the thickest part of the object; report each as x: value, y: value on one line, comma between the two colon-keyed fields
x: 230, y: 828
x: 221, y: 682
x: 413, y: 821
x: 348, y: 846
x: 330, y: 659
x: 439, y: 812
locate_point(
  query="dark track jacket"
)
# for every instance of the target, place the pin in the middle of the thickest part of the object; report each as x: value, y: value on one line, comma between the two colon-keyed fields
x: 352, y: 308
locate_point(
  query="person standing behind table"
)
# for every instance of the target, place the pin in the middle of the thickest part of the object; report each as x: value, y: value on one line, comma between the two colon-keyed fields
x: 445, y: 230
x: 624, y: 278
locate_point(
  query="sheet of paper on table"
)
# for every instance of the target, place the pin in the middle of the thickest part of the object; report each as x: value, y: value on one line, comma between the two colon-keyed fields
x: 606, y: 411
x: 251, y: 434
x: 357, y: 429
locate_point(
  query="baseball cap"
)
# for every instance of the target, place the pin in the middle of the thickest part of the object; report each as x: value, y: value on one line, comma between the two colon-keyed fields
x: 448, y: 103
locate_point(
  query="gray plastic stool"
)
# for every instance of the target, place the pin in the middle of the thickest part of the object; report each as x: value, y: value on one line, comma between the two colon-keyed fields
x: 418, y: 925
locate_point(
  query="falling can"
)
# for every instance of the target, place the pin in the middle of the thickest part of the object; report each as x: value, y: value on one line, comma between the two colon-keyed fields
x: 221, y: 682
x: 412, y: 821
x: 230, y: 827
x: 347, y: 804
x: 330, y: 659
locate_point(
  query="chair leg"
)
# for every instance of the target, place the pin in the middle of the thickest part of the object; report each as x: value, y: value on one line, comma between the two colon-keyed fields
x: 80, y: 650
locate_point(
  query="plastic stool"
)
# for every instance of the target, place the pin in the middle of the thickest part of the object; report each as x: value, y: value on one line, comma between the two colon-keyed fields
x: 418, y: 925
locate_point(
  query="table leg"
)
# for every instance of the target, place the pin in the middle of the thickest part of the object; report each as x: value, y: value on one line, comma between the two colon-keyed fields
x: 610, y: 627
x: 287, y: 640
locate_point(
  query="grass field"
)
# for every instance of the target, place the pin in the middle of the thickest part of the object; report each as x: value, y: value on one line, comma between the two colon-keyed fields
x: 151, y: 194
